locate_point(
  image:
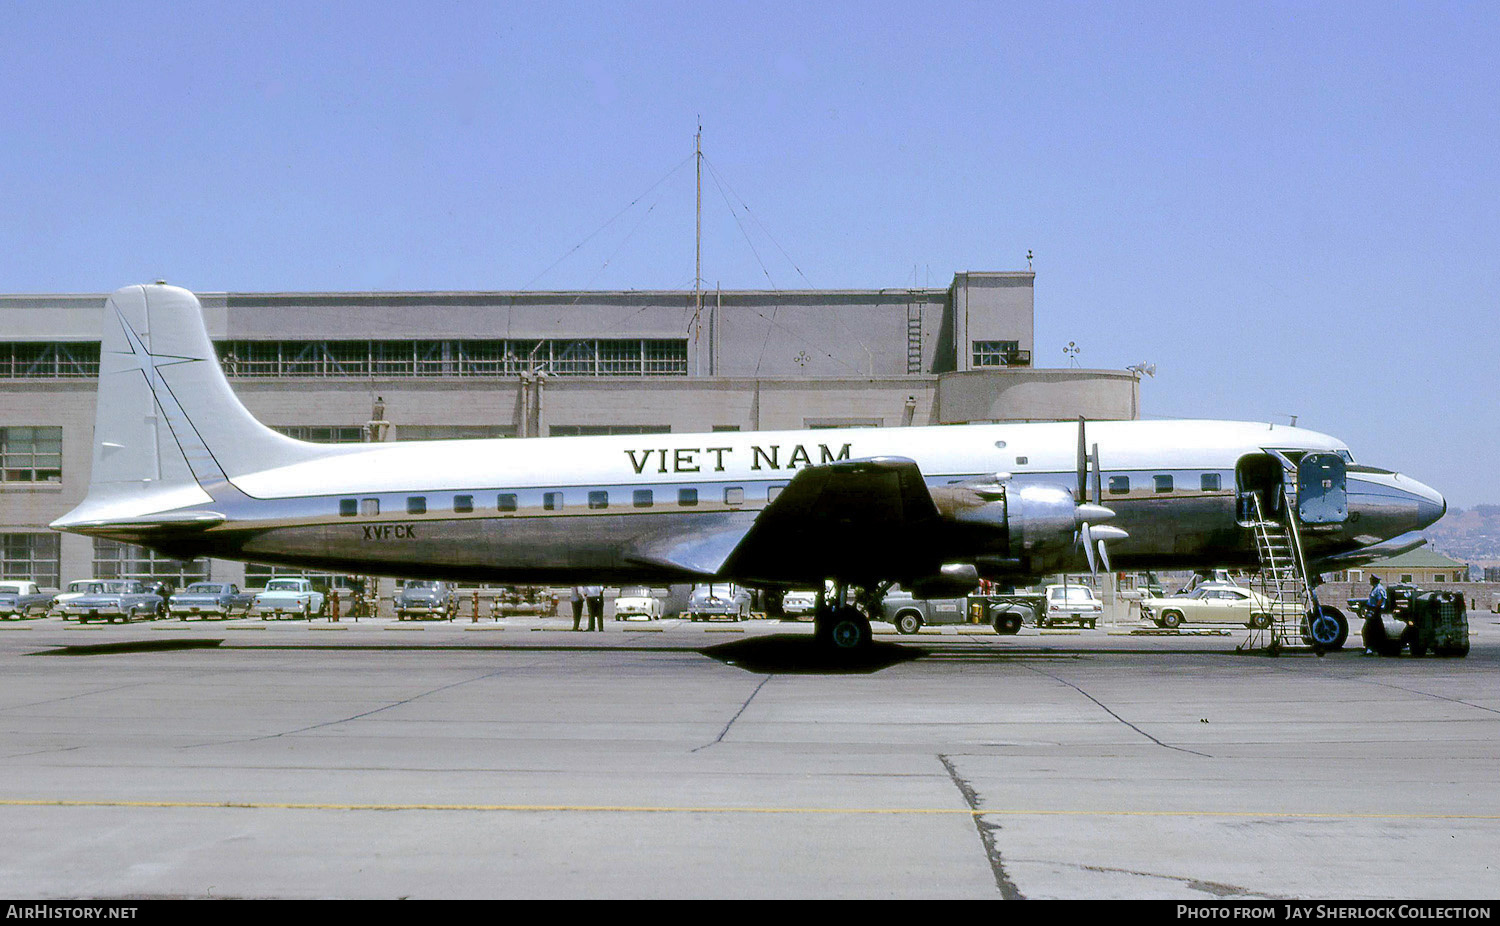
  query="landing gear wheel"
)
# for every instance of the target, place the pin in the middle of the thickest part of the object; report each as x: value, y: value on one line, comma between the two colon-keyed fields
x: 1326, y: 630
x: 908, y: 622
x: 846, y: 630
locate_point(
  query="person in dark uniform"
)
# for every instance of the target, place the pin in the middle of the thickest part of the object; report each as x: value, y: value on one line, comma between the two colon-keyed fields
x: 595, y: 594
x: 577, y: 602
x: 1374, y: 630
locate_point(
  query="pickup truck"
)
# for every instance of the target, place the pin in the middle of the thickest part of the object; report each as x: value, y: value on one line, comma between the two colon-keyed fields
x: 22, y: 599
x: 288, y: 596
x: 209, y: 599
x: 423, y: 599
x: 115, y: 599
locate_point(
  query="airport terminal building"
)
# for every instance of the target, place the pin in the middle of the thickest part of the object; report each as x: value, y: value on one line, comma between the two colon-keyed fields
x: 432, y: 365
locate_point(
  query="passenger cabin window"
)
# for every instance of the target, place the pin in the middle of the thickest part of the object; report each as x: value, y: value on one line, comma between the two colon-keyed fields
x: 598, y: 499
x: 1119, y: 485
x: 552, y: 501
x: 369, y: 506
x: 1209, y: 482
x: 348, y: 507
x: 687, y: 498
x: 506, y: 502
x: 1163, y: 483
x: 416, y: 504
x: 772, y: 492
x: 734, y: 496
x: 642, y: 498
x: 463, y: 503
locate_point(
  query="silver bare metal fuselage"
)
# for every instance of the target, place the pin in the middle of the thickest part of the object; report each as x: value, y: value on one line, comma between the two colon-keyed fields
x: 534, y: 544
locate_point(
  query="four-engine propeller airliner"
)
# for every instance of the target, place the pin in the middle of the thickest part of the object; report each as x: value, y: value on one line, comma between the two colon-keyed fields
x: 180, y: 465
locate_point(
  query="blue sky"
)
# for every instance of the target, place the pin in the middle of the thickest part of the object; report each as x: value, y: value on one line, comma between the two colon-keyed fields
x: 1292, y: 209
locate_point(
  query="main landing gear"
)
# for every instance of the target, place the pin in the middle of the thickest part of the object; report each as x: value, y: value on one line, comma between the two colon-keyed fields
x: 845, y: 628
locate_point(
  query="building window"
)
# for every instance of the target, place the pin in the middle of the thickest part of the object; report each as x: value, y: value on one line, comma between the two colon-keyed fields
x: 1119, y: 485
x: 362, y: 359
x: 687, y: 498
x: 1439, y: 577
x: 1000, y: 354
x: 49, y: 360
x: 506, y: 502
x: 462, y: 504
x: 1406, y: 578
x: 598, y: 500
x: 115, y: 560
x: 34, y: 556
x: 1163, y: 483
x: 552, y: 501
x: 416, y: 504
x: 324, y: 434
x: 600, y: 430
x: 642, y: 498
x: 31, y: 454
x: 258, y: 574
x: 348, y: 507
x: 1209, y: 482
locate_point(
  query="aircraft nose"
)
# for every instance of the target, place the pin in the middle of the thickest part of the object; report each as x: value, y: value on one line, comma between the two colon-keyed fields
x: 1431, y: 505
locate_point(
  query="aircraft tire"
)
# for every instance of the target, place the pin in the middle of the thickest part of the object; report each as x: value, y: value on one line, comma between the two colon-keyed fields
x: 846, y: 630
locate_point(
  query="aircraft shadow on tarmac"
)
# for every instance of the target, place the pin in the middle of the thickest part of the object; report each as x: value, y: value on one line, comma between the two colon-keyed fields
x: 789, y: 654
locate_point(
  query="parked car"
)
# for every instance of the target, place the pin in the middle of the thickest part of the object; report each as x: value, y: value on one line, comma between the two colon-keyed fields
x: 292, y: 596
x: 1072, y: 604
x: 420, y: 599
x: 637, y: 603
x: 1213, y: 603
x: 116, y: 599
x: 718, y: 600
x: 24, y: 599
x: 910, y: 613
x: 209, y: 599
x: 76, y: 589
x: 799, y: 603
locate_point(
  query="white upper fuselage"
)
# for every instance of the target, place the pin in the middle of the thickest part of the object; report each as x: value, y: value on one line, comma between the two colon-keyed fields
x: 942, y: 452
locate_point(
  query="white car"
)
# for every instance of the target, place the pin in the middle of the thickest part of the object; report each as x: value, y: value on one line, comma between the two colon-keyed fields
x: 637, y: 603
x: 707, y: 602
x: 288, y: 596
x: 1071, y: 604
x: 799, y: 603
x: 1212, y: 603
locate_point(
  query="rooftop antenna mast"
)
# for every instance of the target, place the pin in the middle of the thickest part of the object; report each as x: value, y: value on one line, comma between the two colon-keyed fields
x: 698, y: 235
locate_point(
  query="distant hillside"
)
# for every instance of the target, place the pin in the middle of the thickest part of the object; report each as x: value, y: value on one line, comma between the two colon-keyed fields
x: 1471, y: 535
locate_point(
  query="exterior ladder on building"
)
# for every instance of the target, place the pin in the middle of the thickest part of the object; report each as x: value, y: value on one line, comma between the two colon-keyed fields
x: 1282, y: 579
x: 913, y: 335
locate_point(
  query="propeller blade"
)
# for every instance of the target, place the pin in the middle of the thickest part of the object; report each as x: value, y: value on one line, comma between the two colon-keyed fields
x: 1083, y: 462
x: 1104, y: 556
x: 1087, y: 540
x: 1098, y: 478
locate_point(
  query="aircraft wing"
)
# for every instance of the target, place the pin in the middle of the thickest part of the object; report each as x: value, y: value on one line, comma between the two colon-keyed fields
x: 870, y: 517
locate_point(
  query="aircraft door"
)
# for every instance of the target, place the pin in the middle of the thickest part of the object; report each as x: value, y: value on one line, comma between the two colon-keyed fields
x: 1322, y: 489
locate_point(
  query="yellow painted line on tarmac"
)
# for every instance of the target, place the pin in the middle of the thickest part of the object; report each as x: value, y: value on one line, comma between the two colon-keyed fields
x: 853, y: 811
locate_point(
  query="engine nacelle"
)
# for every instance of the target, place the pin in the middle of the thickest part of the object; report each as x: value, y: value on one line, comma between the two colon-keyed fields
x: 954, y: 580
x: 1036, y: 525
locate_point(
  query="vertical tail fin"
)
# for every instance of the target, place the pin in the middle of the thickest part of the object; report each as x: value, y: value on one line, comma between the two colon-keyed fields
x: 168, y: 428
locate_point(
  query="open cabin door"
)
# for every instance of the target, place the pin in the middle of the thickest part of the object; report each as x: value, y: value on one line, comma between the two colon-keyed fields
x: 1322, y: 489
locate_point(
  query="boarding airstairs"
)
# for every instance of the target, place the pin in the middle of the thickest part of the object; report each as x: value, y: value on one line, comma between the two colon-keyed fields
x: 1282, y: 579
